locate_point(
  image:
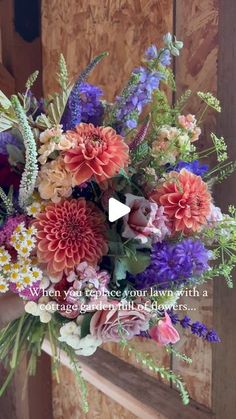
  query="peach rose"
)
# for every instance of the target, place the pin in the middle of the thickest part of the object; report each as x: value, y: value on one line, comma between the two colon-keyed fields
x: 105, y: 323
x: 140, y: 222
x: 164, y: 332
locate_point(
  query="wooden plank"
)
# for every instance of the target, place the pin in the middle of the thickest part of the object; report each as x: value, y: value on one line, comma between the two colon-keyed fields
x: 224, y: 355
x: 7, y: 81
x: 197, y: 25
x: 146, y: 399
x: 19, y: 57
x: 28, y: 397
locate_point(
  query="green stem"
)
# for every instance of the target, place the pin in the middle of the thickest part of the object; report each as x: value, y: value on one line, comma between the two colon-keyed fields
x: 15, y: 353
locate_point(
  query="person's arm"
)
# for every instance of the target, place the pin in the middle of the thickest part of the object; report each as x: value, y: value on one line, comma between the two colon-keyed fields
x: 11, y: 307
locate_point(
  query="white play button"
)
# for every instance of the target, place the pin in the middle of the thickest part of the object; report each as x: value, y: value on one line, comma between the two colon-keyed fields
x: 116, y: 210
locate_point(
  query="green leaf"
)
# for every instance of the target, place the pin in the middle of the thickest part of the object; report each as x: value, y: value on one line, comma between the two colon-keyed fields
x: 141, y: 151
x: 15, y: 154
x: 4, y: 101
x: 6, y: 122
x: 85, y: 326
x: 56, y: 106
x: 137, y: 264
x: 120, y: 269
x: 134, y: 265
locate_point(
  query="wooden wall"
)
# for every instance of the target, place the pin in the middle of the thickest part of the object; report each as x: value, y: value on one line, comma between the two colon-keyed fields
x: 82, y: 29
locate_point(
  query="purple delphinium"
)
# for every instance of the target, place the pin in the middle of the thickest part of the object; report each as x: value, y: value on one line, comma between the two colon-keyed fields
x: 91, y: 107
x: 127, y: 113
x: 173, y: 264
x: 194, y: 166
x: 7, y: 138
x: 128, y: 107
x: 197, y: 328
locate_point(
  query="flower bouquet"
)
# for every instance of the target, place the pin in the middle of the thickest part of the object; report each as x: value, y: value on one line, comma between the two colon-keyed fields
x: 83, y: 279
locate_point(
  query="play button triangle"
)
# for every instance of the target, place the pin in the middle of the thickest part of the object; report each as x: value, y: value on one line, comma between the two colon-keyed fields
x: 116, y: 210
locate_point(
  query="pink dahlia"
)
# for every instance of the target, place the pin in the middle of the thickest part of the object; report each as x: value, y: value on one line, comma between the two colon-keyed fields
x: 98, y: 152
x: 70, y: 232
x: 186, y: 201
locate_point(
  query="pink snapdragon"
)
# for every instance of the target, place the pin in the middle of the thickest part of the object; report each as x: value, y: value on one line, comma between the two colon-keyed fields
x: 164, y: 332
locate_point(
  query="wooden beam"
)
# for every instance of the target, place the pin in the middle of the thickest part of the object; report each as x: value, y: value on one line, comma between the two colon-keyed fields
x: 224, y: 354
x: 143, y: 395
x: 7, y: 81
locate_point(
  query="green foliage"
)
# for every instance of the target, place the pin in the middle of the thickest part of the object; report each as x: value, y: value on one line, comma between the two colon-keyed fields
x: 220, y: 147
x: 7, y: 118
x: 140, y: 152
x: 5, y: 103
x: 31, y: 80
x: 210, y: 100
x: 161, y: 112
x: 171, y: 350
x: 29, y: 175
x: 147, y: 361
x: 77, y: 370
x: 134, y: 264
x: 56, y: 104
x: 181, y: 102
x: 63, y: 78
x: 222, y: 238
x: 25, y: 334
x: 85, y: 326
x: 7, y: 200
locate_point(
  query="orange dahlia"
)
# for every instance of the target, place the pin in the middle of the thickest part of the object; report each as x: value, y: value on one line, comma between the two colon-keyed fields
x: 186, y: 200
x: 99, y: 152
x: 68, y: 233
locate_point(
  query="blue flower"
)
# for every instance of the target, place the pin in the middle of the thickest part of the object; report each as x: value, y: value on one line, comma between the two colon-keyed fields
x: 194, y: 166
x: 151, y: 53
x: 128, y: 107
x: 197, y: 328
x: 7, y: 138
x: 91, y: 107
x: 173, y: 264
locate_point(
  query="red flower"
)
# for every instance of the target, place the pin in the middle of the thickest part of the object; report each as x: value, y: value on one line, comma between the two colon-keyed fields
x: 99, y: 152
x: 69, y: 233
x: 186, y: 200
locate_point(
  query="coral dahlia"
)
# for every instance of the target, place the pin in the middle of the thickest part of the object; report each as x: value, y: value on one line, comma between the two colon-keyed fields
x: 186, y: 200
x: 99, y: 152
x: 68, y: 233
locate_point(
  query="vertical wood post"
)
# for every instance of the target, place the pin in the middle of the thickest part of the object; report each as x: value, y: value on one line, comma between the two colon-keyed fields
x: 224, y: 354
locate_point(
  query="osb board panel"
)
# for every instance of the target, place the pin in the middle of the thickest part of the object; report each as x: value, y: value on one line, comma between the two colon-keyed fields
x: 82, y: 29
x: 66, y: 401
x: 197, y: 26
